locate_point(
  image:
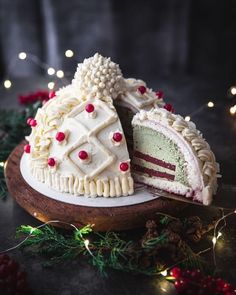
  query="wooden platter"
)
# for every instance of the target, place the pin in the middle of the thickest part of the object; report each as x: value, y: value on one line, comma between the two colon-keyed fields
x: 104, y: 218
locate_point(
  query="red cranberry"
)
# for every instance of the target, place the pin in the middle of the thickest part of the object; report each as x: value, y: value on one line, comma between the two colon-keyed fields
x: 142, y: 89
x: 89, y: 108
x: 27, y: 148
x: 117, y: 136
x: 51, y: 162
x: 60, y: 136
x: 124, y: 166
x: 159, y: 94
x: 220, y: 283
x: 29, y: 120
x: 228, y: 288
x: 196, y: 274
x: 180, y: 285
x: 83, y: 155
x: 176, y: 272
x: 169, y: 107
x: 51, y: 94
x: 33, y: 123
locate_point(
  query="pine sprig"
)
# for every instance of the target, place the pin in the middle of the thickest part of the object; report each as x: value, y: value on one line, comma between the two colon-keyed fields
x: 108, y: 250
x: 13, y: 129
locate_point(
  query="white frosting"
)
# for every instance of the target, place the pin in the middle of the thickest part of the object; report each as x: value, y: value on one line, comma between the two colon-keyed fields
x: 137, y: 101
x: 201, y: 165
x: 100, y: 175
x: 98, y: 77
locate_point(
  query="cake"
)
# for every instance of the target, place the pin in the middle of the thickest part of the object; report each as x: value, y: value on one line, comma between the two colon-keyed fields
x: 170, y: 154
x: 135, y: 97
x: 78, y: 143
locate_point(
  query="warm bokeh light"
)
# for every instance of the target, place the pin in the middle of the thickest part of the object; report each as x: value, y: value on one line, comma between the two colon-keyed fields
x: 7, y: 84
x: 187, y: 118
x: 22, y: 55
x: 69, y: 53
x: 233, y: 90
x: 51, y: 71
x: 210, y: 104
x: 60, y: 74
x: 232, y: 110
x: 51, y: 85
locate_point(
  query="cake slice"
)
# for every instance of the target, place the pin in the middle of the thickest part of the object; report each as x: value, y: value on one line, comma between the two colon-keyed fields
x: 170, y: 154
x: 77, y: 143
x: 136, y: 96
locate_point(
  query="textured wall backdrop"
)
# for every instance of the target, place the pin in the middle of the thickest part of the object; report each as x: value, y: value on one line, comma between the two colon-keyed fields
x: 146, y: 37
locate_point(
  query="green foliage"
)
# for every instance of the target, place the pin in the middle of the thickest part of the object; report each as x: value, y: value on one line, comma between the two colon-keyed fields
x: 108, y: 250
x: 13, y: 129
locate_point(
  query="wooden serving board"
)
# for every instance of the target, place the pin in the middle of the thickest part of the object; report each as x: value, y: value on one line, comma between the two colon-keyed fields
x: 104, y: 218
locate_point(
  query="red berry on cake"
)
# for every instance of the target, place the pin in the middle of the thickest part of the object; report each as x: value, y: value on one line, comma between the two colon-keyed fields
x: 117, y: 137
x: 159, y: 94
x: 51, y: 162
x: 33, y: 123
x: 83, y: 155
x: 124, y: 166
x: 27, y: 148
x: 51, y: 94
x: 169, y: 107
x: 142, y: 89
x: 29, y: 120
x: 60, y: 136
x: 89, y: 108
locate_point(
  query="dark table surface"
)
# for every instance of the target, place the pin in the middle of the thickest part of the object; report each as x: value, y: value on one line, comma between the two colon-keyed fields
x: 78, y: 277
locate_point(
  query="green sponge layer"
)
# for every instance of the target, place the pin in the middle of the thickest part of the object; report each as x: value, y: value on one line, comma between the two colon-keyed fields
x: 155, y: 144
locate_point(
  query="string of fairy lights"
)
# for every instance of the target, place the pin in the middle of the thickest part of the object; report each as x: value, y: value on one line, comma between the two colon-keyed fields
x: 51, y: 71
x: 216, y: 235
x: 59, y: 74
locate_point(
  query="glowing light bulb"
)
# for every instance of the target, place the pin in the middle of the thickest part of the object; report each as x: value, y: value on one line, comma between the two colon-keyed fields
x: 69, y: 53
x: 233, y: 90
x: 187, y: 118
x: 7, y: 84
x: 219, y: 235
x: 86, y: 243
x: 214, y: 240
x: 1, y: 164
x: 60, y: 74
x: 164, y: 273
x: 51, y: 85
x: 232, y: 110
x: 32, y: 230
x: 51, y: 71
x: 210, y: 104
x: 22, y: 55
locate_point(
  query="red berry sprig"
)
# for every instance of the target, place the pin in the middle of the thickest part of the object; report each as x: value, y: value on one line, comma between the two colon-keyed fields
x: 12, y: 279
x: 42, y: 95
x: 194, y: 282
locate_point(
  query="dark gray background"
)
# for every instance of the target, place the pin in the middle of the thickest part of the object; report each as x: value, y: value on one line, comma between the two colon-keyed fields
x: 186, y: 48
x: 148, y: 38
